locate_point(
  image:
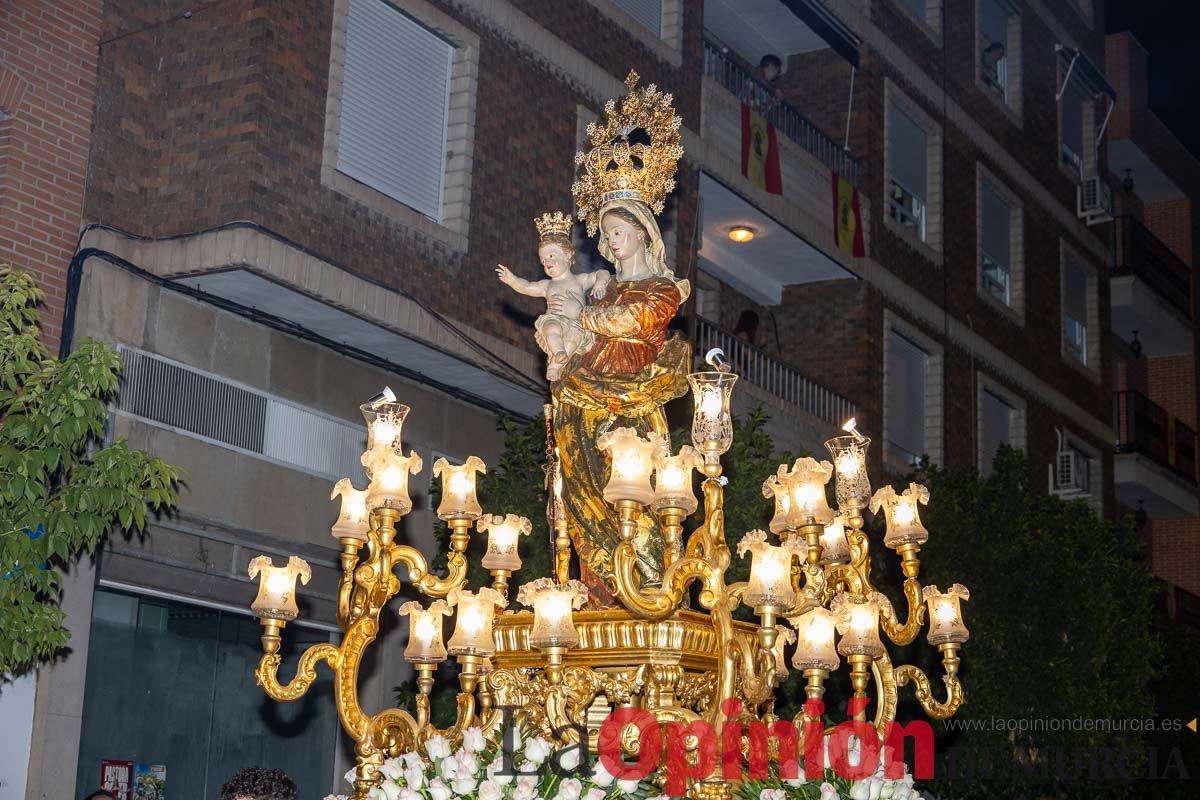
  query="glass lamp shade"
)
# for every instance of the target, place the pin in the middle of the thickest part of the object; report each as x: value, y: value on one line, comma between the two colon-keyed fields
x: 852, y: 486
x: 424, y: 632
x: 712, y: 423
x: 945, y: 614
x: 385, y: 420
x: 903, y: 522
x: 473, y: 627
x: 835, y: 548
x: 777, y: 486
x: 458, y: 488
x: 354, y: 520
x: 783, y: 637
x: 553, y: 604
x: 502, y: 552
x: 389, y: 471
x: 808, y: 479
x: 673, y: 479
x: 277, y: 587
x: 815, y: 646
x: 770, y: 570
x: 632, y: 459
x: 858, y: 623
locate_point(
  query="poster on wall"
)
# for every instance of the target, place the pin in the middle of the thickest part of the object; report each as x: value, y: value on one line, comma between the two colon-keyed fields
x: 149, y: 782
x: 117, y: 777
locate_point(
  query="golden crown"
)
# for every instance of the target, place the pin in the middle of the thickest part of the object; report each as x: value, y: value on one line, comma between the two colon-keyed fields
x: 556, y: 224
x: 615, y: 169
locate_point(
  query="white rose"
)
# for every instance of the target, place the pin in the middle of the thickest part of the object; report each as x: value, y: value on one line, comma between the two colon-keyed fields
x: 437, y: 747
x: 570, y: 789
x: 473, y: 740
x: 594, y: 794
x: 489, y: 790
x: 390, y: 790
x: 377, y: 794
x: 415, y: 778
x: 601, y: 776
x: 876, y: 785
x: 569, y: 759
x: 464, y: 785
x: 628, y: 786
x: 526, y: 788
x: 351, y: 775
x: 538, y: 750
x: 438, y: 790
x: 492, y: 773
x: 828, y: 792
x: 413, y: 759
x: 393, y: 768
x: 860, y: 791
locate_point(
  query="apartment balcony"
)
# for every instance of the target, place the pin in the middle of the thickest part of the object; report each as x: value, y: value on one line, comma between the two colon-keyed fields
x: 1151, y: 291
x: 1155, y: 462
x: 803, y: 412
x: 726, y: 72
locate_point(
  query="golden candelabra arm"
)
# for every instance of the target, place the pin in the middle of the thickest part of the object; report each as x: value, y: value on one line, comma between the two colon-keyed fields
x: 906, y: 633
x: 657, y: 604
x: 923, y: 689
x: 470, y: 680
x: 306, y: 670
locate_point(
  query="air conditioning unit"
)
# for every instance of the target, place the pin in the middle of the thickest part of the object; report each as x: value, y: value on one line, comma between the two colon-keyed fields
x: 1094, y: 201
x: 1068, y: 474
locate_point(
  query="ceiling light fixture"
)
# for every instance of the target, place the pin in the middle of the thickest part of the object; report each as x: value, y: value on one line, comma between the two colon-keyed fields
x: 741, y: 233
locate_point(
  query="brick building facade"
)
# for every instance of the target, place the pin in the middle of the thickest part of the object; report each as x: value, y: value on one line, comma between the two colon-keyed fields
x: 1156, y: 235
x: 48, y: 55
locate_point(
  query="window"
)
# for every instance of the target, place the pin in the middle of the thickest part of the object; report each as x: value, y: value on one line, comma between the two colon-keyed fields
x: 926, y: 12
x: 1001, y: 421
x: 907, y: 364
x: 1072, y: 118
x: 395, y: 99
x: 648, y: 13
x: 1075, y: 290
x: 908, y: 173
x: 143, y: 650
x: 998, y: 50
x: 1083, y: 469
x: 995, y: 245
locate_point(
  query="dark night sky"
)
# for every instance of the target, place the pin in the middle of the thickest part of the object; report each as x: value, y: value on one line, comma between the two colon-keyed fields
x: 1168, y: 30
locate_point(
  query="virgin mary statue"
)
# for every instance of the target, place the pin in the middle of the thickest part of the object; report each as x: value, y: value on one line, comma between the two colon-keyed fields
x: 633, y: 368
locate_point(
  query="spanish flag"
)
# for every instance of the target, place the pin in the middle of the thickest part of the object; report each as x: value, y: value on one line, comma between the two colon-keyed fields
x: 760, y: 151
x: 847, y: 217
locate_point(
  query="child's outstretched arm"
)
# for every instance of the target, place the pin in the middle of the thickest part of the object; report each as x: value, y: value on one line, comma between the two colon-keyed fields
x: 520, y: 285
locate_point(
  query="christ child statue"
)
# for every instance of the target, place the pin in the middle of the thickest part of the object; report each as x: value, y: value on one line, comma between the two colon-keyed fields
x: 558, y: 331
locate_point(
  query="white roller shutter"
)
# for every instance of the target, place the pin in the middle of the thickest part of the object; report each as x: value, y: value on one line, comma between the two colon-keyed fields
x: 647, y: 12
x: 909, y: 152
x: 906, y: 394
x: 395, y: 101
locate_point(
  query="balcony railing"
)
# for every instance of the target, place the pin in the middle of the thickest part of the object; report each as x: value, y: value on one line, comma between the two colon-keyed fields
x: 1144, y: 427
x: 774, y: 376
x: 719, y: 66
x: 1137, y: 251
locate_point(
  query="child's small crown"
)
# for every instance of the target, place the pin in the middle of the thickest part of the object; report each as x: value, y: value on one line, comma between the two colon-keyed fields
x: 556, y: 224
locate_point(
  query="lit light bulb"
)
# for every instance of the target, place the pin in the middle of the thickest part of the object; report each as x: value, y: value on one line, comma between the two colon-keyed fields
x: 711, y: 403
x: 392, y: 478
x: 356, y: 507
x: 556, y: 606
x: 280, y: 583
x: 819, y: 630
x: 470, y: 623
x: 944, y: 612
x: 425, y: 629
x: 861, y: 619
x: 460, y: 484
x: 769, y: 569
x: 628, y: 465
x: 849, y: 463
x: 904, y: 513
x: 807, y: 495
x: 670, y: 477
x: 384, y: 431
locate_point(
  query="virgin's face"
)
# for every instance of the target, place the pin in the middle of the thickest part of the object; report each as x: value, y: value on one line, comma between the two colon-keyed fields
x: 623, y: 237
x: 555, y: 260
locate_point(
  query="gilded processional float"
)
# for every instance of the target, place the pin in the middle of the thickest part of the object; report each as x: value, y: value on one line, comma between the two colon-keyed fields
x: 623, y: 634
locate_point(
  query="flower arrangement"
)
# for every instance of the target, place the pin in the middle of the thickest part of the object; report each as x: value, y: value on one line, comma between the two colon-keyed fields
x: 480, y: 769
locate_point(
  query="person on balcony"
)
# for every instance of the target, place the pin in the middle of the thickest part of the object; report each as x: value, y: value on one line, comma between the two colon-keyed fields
x: 762, y: 92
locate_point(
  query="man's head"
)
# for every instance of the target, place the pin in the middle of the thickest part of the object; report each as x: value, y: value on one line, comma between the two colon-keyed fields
x: 771, y: 66
x: 258, y: 783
